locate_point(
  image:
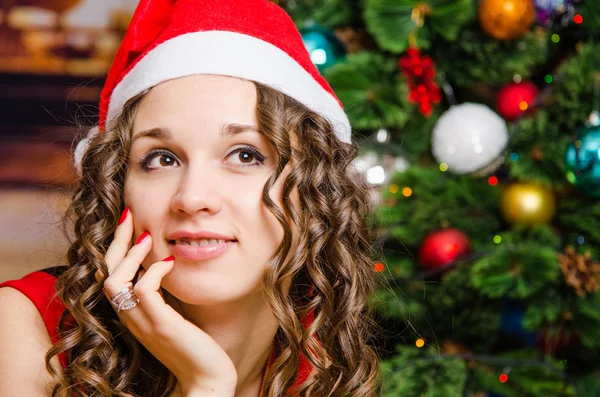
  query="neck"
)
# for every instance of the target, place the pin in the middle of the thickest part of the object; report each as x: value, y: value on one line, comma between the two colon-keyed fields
x: 245, y: 330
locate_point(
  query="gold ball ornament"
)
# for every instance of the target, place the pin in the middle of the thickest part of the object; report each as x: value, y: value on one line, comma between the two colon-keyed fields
x: 527, y: 203
x: 506, y: 19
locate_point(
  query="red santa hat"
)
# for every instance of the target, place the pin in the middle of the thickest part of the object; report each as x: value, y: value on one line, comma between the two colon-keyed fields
x: 250, y: 39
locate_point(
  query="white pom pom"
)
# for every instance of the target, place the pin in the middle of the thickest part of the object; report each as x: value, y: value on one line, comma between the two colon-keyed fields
x: 468, y: 137
x: 81, y: 148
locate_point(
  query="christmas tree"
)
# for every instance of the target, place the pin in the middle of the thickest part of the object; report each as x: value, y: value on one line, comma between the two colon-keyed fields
x: 479, y: 129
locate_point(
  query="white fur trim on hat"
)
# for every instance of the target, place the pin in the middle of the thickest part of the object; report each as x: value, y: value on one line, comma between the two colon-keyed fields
x: 229, y: 54
x: 82, y: 147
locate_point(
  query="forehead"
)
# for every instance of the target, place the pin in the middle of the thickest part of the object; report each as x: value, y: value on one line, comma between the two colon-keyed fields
x: 198, y: 101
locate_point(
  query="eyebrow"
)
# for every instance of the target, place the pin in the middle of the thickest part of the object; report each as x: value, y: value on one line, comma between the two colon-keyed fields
x: 165, y: 134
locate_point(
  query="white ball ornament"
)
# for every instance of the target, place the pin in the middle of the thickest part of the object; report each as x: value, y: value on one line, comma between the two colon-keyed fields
x: 468, y: 137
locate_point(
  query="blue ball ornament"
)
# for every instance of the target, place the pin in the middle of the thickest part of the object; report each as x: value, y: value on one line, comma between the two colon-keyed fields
x: 551, y: 5
x: 511, y: 322
x: 324, y: 47
x: 549, y: 10
x: 582, y: 161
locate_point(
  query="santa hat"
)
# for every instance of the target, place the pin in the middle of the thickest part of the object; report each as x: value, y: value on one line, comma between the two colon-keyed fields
x: 250, y: 39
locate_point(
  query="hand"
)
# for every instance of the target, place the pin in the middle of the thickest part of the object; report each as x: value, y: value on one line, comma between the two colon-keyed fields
x: 197, y: 361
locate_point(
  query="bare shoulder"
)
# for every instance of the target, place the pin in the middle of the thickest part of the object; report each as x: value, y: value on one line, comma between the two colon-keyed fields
x: 25, y: 342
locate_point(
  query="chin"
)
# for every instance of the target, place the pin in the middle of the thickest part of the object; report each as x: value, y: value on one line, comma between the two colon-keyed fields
x: 202, y: 289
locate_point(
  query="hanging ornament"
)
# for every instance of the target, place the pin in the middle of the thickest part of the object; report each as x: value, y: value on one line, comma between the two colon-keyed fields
x: 419, y: 72
x: 511, y: 322
x: 468, y: 137
x: 579, y: 271
x: 506, y: 19
x: 547, y: 9
x: 515, y: 98
x: 556, y: 340
x: 582, y: 158
x: 527, y: 203
x: 379, y: 159
x: 442, y: 247
x: 324, y: 47
x: 548, y: 12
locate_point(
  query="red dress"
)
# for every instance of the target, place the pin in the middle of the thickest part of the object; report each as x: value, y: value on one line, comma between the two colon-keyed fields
x: 39, y: 288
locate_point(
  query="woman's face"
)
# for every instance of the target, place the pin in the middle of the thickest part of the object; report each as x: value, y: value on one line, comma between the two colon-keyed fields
x: 196, y: 172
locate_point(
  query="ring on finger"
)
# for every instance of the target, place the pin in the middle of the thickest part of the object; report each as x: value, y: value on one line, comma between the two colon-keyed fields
x: 115, y: 299
x: 119, y: 301
x: 123, y: 307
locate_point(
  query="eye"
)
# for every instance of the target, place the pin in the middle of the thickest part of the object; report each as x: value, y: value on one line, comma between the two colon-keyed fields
x: 245, y: 155
x: 164, y: 159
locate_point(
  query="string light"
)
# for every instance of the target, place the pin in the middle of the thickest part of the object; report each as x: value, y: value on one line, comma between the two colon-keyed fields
x: 504, y: 376
x: 443, y: 167
x: 548, y: 78
x: 555, y: 38
x: 497, y: 239
x: 514, y: 156
x: 420, y: 343
x: 492, y: 180
x: 407, y: 192
x: 393, y: 188
x: 382, y: 135
x: 580, y: 240
x: 379, y: 267
x: 578, y: 19
x: 523, y: 105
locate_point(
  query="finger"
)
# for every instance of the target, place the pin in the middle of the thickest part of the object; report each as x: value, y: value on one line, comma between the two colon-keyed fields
x: 121, y: 243
x: 148, y: 288
x: 129, y: 266
x: 141, y: 274
x: 99, y: 275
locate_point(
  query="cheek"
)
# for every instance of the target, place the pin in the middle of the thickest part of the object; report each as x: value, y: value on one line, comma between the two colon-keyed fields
x: 147, y: 202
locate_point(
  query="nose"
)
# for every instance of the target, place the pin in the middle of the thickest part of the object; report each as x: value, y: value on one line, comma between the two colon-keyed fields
x: 197, y: 192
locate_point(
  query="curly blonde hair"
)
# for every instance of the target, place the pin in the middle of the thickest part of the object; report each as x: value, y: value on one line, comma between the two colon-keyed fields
x: 333, y: 255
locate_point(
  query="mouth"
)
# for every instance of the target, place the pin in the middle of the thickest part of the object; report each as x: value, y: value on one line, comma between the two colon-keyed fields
x: 200, y: 242
x: 198, y: 250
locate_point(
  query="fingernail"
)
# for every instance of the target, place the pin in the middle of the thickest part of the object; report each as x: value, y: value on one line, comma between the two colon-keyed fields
x: 168, y: 258
x: 142, y: 237
x: 124, y: 215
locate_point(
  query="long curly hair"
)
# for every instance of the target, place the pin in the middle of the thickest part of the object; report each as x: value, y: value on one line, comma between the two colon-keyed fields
x: 333, y: 256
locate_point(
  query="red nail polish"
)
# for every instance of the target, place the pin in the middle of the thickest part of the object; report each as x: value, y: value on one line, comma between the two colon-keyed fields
x: 124, y: 215
x: 168, y: 258
x: 142, y: 237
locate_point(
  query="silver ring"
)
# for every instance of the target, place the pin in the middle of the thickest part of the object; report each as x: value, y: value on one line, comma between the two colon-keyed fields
x: 127, y: 295
x: 128, y: 306
x: 118, y: 296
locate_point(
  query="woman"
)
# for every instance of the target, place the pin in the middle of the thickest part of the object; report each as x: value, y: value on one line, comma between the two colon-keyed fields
x: 220, y: 239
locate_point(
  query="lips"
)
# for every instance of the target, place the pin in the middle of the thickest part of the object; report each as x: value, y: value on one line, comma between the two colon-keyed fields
x: 197, y: 243
x: 199, y: 253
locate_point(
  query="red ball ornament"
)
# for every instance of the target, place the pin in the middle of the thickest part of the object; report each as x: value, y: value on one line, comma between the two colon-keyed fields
x: 515, y: 98
x: 443, y: 247
x: 556, y: 341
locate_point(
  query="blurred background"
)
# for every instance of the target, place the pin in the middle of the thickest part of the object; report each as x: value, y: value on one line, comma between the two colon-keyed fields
x: 479, y: 128
x: 54, y: 56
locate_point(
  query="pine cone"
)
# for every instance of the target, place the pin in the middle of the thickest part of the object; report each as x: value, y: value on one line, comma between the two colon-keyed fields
x: 579, y: 271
